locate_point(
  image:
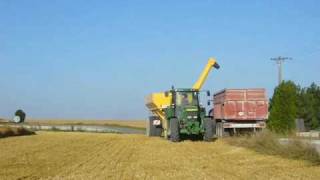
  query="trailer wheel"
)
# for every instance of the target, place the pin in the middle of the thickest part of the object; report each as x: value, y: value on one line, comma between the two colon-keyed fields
x: 153, y: 130
x: 208, y: 129
x: 174, y: 130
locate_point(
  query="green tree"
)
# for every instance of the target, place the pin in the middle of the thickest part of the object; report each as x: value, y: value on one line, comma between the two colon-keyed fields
x: 314, y: 123
x: 309, y: 106
x: 283, y: 108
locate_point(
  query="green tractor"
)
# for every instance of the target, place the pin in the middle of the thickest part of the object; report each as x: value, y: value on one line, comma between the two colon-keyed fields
x: 187, y: 117
x: 178, y: 112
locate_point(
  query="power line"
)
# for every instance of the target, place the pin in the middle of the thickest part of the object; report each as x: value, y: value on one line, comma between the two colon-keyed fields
x: 279, y: 60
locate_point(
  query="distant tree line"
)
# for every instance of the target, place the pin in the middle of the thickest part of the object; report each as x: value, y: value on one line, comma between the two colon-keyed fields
x: 290, y: 102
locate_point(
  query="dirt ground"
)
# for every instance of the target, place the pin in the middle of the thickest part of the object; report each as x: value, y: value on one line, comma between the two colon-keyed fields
x: 62, y: 155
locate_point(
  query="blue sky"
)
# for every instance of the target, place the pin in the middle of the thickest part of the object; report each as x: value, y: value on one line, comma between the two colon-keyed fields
x: 99, y: 59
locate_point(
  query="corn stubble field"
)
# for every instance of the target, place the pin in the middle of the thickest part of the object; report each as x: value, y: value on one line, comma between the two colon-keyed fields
x: 63, y: 155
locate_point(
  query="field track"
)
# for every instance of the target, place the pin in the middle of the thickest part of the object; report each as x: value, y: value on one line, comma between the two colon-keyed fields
x: 62, y: 155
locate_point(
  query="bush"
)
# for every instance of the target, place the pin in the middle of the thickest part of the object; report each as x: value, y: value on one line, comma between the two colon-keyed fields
x: 21, y: 114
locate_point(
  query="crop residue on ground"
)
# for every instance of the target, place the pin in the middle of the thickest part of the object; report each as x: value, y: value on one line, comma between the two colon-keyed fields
x: 64, y: 155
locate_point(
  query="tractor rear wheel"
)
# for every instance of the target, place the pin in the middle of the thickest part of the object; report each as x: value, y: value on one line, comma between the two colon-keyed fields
x: 174, y: 130
x: 208, y: 129
x: 153, y: 130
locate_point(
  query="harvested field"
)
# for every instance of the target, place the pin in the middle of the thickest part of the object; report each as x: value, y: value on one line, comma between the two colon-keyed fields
x: 13, y: 131
x: 62, y: 155
x: 141, y: 124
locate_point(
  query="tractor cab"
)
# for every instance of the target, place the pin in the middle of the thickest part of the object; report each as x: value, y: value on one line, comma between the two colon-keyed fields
x: 185, y: 98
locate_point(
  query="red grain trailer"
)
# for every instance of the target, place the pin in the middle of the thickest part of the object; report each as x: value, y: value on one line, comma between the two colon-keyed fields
x: 238, y: 110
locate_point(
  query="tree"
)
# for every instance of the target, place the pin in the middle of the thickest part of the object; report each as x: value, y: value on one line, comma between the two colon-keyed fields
x: 21, y: 114
x: 309, y: 106
x: 283, y: 108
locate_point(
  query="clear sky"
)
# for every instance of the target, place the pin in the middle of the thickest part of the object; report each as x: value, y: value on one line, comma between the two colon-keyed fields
x: 99, y: 59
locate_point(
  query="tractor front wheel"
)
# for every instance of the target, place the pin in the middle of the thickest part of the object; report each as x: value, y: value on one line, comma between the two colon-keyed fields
x: 174, y: 130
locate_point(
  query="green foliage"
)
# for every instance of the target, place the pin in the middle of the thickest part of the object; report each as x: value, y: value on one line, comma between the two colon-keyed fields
x: 314, y: 123
x: 290, y: 102
x: 283, y: 108
x: 309, y: 106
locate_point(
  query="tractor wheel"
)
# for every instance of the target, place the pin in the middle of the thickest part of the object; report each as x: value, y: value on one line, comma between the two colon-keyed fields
x: 208, y: 129
x: 153, y: 130
x: 174, y: 130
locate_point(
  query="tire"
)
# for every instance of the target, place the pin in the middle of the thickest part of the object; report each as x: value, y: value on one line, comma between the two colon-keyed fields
x: 231, y: 132
x: 208, y: 129
x: 153, y: 130
x: 174, y: 130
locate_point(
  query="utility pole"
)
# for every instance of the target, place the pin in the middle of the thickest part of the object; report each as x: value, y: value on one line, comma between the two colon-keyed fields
x: 279, y: 60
